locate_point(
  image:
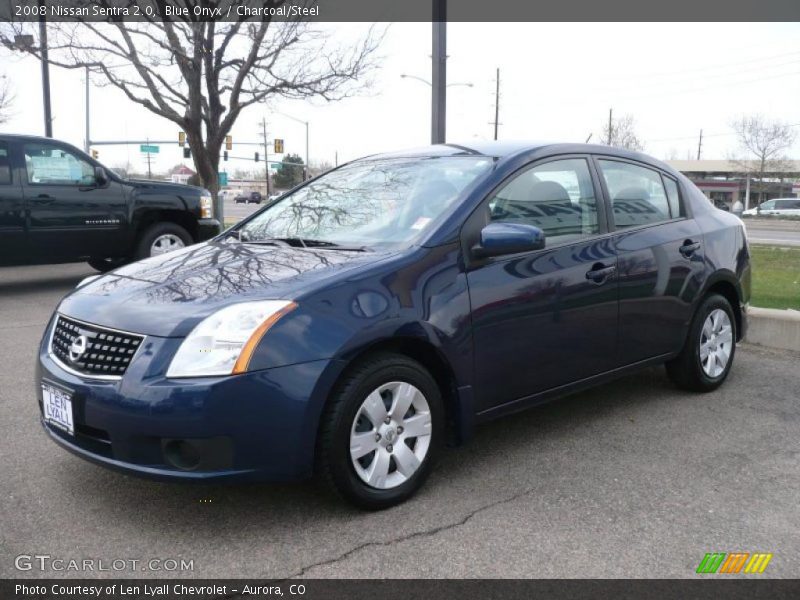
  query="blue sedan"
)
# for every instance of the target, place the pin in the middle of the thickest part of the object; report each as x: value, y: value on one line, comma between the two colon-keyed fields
x: 355, y: 325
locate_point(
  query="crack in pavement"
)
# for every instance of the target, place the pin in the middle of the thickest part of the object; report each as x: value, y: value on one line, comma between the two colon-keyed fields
x: 417, y: 534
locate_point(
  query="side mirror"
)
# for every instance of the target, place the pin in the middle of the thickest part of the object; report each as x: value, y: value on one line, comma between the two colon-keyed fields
x: 498, y: 239
x: 100, y: 176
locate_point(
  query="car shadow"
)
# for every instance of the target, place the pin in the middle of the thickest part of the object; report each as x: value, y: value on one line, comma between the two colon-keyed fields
x: 42, y: 278
x: 224, y: 509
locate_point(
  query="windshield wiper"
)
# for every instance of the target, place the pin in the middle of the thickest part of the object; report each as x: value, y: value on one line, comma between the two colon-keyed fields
x: 298, y: 242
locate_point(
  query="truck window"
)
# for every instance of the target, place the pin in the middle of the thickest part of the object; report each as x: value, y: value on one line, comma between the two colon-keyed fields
x: 48, y: 164
x: 5, y: 164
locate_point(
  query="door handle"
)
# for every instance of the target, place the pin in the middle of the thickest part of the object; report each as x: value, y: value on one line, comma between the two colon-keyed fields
x: 599, y: 272
x: 45, y: 199
x: 689, y: 247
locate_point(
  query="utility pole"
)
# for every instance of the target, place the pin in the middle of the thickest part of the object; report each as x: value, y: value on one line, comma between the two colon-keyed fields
x: 610, y: 127
x: 266, y: 155
x: 149, y: 173
x: 336, y: 159
x: 497, y: 103
x: 48, y: 118
x: 439, y: 72
x: 700, y: 144
x: 87, y: 142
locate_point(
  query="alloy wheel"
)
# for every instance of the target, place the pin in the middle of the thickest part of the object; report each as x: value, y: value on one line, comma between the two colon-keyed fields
x: 167, y: 242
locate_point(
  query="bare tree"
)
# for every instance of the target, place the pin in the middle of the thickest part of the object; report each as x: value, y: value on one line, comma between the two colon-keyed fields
x: 762, y: 147
x: 6, y: 100
x: 620, y: 133
x: 202, y: 75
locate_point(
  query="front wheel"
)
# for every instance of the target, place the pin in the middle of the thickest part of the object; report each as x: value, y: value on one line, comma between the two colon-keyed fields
x: 161, y: 238
x: 381, y: 432
x: 707, y: 356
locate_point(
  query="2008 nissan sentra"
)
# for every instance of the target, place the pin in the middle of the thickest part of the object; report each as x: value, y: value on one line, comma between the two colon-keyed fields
x: 359, y: 322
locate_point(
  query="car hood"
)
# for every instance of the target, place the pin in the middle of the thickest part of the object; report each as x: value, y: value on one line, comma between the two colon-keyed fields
x: 168, y: 186
x: 168, y: 295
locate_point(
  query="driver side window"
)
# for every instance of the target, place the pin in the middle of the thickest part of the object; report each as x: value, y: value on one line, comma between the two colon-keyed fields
x: 557, y: 197
x: 48, y: 164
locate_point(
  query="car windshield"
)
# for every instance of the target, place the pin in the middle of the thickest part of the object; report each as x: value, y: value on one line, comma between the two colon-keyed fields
x: 375, y: 203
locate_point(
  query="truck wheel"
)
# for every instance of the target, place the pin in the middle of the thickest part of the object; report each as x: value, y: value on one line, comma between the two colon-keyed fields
x: 162, y: 238
x: 104, y: 265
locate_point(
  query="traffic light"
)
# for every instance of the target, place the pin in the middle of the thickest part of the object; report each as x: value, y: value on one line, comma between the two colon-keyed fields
x: 256, y: 159
x: 278, y: 146
x: 95, y: 154
x: 228, y: 142
x: 187, y: 153
x: 181, y: 138
x: 225, y: 155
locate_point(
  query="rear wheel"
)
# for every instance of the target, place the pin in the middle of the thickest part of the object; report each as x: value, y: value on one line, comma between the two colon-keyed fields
x: 707, y: 356
x: 381, y: 432
x: 162, y: 238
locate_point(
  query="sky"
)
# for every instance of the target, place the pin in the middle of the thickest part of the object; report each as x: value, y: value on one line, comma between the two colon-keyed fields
x: 557, y: 82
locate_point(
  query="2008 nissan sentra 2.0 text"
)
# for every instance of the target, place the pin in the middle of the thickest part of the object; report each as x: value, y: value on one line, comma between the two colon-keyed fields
x: 352, y: 327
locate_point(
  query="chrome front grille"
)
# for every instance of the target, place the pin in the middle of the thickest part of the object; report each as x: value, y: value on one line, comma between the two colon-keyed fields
x: 92, y: 350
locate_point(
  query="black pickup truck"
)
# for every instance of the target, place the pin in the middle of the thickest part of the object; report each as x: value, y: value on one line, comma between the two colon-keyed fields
x: 58, y: 205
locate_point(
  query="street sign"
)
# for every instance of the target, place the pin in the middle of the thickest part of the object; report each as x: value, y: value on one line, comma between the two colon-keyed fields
x: 223, y: 178
x: 275, y: 165
x: 147, y: 149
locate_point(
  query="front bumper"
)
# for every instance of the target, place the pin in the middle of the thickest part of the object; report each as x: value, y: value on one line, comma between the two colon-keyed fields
x: 207, y: 229
x: 259, y: 426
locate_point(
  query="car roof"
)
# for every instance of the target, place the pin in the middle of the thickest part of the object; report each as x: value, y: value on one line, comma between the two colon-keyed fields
x: 509, y: 149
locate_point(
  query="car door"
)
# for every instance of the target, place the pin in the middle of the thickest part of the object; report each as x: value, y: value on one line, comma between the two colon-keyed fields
x: 767, y: 208
x: 12, y: 213
x: 70, y: 215
x: 660, y: 258
x: 544, y: 318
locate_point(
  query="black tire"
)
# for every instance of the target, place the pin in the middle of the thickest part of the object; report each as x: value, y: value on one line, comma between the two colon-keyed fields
x: 334, y: 464
x: 155, y: 231
x: 686, y: 370
x: 104, y: 265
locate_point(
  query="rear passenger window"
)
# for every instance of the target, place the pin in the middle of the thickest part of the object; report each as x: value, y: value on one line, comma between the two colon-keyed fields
x: 637, y: 194
x: 557, y: 197
x: 675, y: 205
x: 5, y: 165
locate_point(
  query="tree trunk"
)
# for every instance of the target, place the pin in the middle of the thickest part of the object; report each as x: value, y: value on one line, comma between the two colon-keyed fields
x: 206, y: 161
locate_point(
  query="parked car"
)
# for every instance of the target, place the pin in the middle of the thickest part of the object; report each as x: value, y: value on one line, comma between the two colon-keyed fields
x: 248, y: 198
x: 776, y: 207
x: 391, y: 304
x: 57, y: 204
x: 721, y: 204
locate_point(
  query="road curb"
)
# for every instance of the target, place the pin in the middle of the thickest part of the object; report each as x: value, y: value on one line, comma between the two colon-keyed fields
x: 774, y: 328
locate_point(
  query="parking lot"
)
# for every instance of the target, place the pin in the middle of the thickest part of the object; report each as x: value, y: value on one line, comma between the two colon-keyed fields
x: 632, y: 479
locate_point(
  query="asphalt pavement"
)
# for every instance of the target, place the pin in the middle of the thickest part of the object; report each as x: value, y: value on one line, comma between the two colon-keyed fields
x: 631, y: 479
x: 777, y: 232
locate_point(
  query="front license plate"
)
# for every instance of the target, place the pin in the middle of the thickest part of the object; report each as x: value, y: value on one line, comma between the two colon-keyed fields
x: 57, y: 404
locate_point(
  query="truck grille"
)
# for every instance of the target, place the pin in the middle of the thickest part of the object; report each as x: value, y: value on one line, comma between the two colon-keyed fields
x: 92, y: 350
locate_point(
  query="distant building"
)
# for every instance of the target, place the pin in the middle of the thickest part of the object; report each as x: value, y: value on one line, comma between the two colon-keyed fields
x: 726, y: 181
x: 181, y: 174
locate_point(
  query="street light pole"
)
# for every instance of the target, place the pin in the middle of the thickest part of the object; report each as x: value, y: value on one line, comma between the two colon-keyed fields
x: 48, y: 118
x: 439, y: 72
x: 305, y: 170
x: 87, y: 142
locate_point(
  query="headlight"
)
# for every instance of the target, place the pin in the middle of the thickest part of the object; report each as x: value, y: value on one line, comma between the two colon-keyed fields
x: 223, y: 343
x: 206, y: 206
